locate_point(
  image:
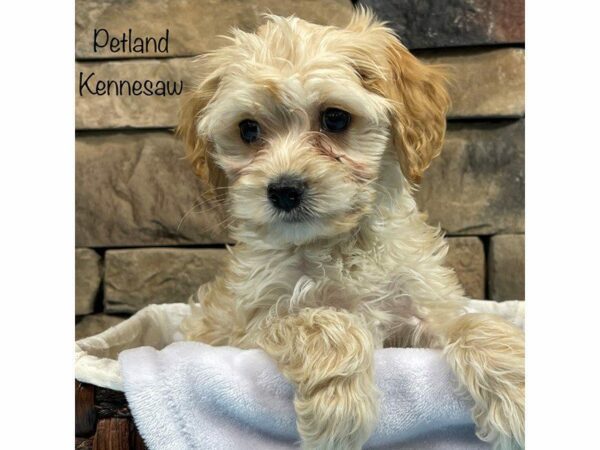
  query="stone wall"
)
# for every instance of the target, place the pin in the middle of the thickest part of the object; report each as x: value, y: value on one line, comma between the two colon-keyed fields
x: 133, y: 189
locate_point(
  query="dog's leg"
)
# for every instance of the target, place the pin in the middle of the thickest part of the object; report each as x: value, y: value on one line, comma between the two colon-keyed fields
x: 328, y: 355
x: 487, y: 355
x: 212, y: 319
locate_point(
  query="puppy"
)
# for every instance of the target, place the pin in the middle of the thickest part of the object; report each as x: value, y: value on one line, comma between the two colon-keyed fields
x: 314, y: 138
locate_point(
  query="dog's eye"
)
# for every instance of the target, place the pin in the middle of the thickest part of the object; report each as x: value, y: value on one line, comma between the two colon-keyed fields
x: 249, y: 130
x: 334, y: 120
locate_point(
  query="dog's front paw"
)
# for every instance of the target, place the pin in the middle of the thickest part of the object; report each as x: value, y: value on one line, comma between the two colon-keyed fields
x: 328, y: 355
x: 502, y: 420
x: 339, y: 415
x: 487, y: 354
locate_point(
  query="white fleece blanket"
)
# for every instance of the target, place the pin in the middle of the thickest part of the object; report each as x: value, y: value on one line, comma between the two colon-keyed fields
x: 186, y: 395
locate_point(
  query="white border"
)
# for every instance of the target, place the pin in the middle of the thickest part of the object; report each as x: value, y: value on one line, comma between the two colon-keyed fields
x: 562, y: 237
x: 37, y: 224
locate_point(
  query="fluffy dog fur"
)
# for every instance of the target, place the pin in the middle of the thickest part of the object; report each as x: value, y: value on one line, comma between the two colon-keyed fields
x: 358, y: 268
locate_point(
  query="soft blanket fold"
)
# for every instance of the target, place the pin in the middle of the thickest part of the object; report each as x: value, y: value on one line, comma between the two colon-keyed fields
x: 190, y: 395
x: 194, y: 396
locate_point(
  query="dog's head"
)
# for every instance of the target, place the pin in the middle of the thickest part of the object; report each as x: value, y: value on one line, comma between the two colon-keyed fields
x: 293, y: 122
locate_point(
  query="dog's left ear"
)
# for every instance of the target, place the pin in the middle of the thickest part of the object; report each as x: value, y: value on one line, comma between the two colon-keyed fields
x: 420, y: 103
x: 416, y: 91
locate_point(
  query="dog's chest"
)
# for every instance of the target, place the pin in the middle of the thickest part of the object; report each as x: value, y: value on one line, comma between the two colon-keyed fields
x: 313, y: 278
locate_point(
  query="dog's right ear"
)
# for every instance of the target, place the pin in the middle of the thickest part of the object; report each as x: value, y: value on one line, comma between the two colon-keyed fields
x: 198, y: 148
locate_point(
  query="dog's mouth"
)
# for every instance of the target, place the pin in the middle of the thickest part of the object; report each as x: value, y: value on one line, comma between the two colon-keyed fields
x: 297, y: 217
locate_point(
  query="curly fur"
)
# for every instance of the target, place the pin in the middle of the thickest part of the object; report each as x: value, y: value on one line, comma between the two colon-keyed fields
x: 358, y: 268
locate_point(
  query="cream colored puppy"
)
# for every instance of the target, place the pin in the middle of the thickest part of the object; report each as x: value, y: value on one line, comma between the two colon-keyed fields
x: 314, y: 137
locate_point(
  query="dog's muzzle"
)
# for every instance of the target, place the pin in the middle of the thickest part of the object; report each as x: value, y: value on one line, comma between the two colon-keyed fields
x: 286, y: 193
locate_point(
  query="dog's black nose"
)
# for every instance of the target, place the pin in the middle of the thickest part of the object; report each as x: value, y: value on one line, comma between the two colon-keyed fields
x: 286, y: 193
